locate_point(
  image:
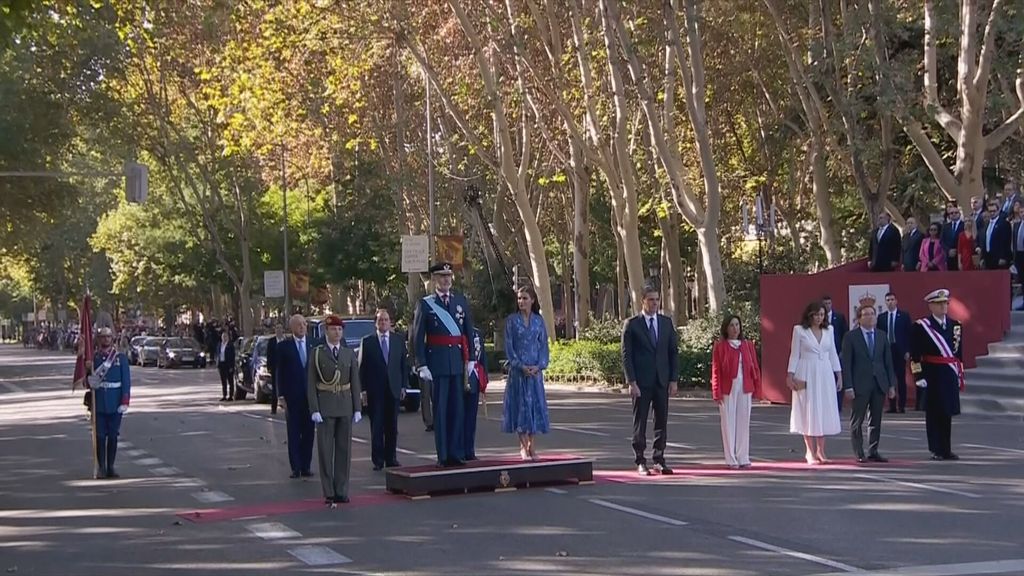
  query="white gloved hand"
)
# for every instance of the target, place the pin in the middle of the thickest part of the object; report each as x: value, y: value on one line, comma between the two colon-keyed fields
x: 425, y: 374
x: 357, y: 417
x: 318, y: 418
x: 470, y: 368
x: 921, y: 384
x: 122, y: 408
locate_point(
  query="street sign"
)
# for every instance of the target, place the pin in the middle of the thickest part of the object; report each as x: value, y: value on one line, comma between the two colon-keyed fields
x: 273, y: 283
x: 415, y: 253
x: 136, y: 182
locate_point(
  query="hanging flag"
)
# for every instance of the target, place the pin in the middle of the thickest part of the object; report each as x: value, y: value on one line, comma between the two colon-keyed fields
x: 84, y: 357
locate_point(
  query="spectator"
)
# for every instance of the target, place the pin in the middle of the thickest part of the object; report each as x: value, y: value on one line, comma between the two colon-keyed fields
x: 885, y: 246
x: 950, y: 237
x: 933, y: 253
x: 967, y: 247
x: 912, y: 245
x: 1012, y: 195
x: 995, y: 243
x: 1017, y: 242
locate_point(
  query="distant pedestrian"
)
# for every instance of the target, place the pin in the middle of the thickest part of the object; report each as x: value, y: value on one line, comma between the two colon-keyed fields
x: 735, y: 383
x: 526, y: 347
x: 226, y: 367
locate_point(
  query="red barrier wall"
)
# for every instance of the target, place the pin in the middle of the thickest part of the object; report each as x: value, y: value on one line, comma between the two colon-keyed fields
x: 979, y: 299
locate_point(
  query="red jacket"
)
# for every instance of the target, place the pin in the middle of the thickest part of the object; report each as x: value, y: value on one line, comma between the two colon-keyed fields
x: 725, y: 362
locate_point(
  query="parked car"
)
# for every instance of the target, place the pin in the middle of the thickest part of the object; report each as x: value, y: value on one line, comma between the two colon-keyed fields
x: 261, y: 375
x: 355, y: 329
x: 135, y: 348
x: 150, y: 350
x: 177, y: 352
x: 243, y: 367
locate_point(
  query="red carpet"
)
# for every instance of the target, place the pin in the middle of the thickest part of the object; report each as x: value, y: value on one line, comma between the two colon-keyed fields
x: 278, y: 508
x: 684, y: 473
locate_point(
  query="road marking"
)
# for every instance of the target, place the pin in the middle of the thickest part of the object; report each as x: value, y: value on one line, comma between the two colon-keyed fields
x: 272, y: 531
x: 555, y: 490
x: 165, y: 471
x: 795, y: 554
x: 965, y: 569
x: 635, y: 512
x: 135, y: 453
x: 581, y: 431
x: 149, y: 462
x: 680, y: 445
x: 126, y: 445
x: 399, y: 450
x: 918, y: 485
x: 12, y: 387
x: 997, y: 448
x: 318, y: 555
x: 211, y: 497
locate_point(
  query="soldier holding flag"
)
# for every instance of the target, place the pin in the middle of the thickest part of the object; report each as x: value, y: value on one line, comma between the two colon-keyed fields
x: 111, y: 391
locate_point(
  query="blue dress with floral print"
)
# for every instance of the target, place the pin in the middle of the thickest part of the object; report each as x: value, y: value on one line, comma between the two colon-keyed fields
x: 526, y: 344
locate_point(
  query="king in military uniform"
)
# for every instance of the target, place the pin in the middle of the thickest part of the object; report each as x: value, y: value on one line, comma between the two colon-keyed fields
x: 441, y: 329
x: 110, y: 387
x: 936, y: 356
x: 334, y: 393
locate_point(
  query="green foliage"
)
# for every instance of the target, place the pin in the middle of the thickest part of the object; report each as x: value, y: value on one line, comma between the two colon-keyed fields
x: 584, y: 361
x: 603, y: 331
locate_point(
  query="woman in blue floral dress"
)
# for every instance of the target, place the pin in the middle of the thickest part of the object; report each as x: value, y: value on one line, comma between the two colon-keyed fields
x: 526, y: 347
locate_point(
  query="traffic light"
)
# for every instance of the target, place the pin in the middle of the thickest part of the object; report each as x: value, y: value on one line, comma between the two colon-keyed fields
x: 136, y: 182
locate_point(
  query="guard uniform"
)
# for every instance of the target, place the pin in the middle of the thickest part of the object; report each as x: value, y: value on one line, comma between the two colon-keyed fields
x: 440, y: 328
x: 111, y: 386
x: 333, y: 390
x: 936, y: 355
x: 477, y: 385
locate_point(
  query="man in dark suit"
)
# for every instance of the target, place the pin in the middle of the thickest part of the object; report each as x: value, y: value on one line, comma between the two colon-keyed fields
x: 272, y: 365
x: 1011, y: 194
x: 994, y: 239
x: 384, y: 374
x: 226, y: 367
x: 839, y: 329
x: 292, y: 359
x: 912, y: 245
x: 650, y: 358
x: 885, y: 246
x: 868, y: 378
x: 951, y: 232
x: 896, y: 324
x: 1017, y: 242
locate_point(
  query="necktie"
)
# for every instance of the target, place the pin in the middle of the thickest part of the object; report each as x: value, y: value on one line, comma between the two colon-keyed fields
x: 988, y: 237
x: 302, y: 351
x: 384, y: 347
x: 653, y: 330
x: 444, y: 300
x: 871, y: 342
x: 892, y: 326
x: 1020, y: 236
x: 334, y: 350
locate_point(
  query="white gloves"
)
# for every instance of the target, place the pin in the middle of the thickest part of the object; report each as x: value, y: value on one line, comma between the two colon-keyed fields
x: 921, y: 384
x: 470, y: 368
x: 122, y: 408
x: 357, y: 417
x: 318, y: 418
x: 425, y: 374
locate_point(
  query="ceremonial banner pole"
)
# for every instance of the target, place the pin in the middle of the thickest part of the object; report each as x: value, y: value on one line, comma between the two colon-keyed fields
x: 83, y: 367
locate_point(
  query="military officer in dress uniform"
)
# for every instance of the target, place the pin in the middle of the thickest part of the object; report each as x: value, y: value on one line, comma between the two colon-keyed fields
x: 936, y: 356
x: 441, y: 328
x: 111, y: 385
x: 334, y: 403
x: 477, y: 386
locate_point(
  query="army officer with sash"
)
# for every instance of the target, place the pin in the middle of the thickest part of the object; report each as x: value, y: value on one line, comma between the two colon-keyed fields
x: 333, y: 391
x: 936, y: 359
x: 441, y: 328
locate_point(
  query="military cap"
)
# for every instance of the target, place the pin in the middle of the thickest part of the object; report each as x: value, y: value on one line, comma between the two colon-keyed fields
x: 334, y: 320
x: 105, y: 331
x: 940, y: 295
x: 442, y: 268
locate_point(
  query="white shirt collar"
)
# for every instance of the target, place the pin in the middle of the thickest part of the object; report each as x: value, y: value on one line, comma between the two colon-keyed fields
x: 383, y: 334
x: 941, y: 321
x: 648, y: 317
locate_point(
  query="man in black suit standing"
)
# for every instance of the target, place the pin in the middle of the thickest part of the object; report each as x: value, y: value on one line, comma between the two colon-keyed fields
x: 885, y: 246
x: 839, y: 329
x: 951, y: 232
x: 384, y: 373
x: 292, y: 359
x: 994, y: 239
x: 650, y: 359
x: 896, y: 324
x: 868, y: 379
x: 912, y: 245
x: 1012, y: 194
x: 272, y: 365
x: 226, y: 367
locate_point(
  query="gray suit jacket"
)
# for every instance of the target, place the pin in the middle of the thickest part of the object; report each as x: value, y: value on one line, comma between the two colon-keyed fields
x: 863, y: 370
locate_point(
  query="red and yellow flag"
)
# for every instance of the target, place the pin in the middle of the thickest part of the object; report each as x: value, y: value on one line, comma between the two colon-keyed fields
x: 84, y: 344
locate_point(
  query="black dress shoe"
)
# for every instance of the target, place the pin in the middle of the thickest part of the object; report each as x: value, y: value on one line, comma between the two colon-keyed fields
x: 643, y: 470
x: 428, y: 429
x: 862, y: 460
x: 937, y: 457
x: 902, y: 410
x: 471, y: 458
x: 952, y: 456
x: 112, y: 474
x: 100, y: 475
x: 878, y: 458
x: 294, y: 475
x: 377, y: 467
x: 455, y: 462
x: 662, y: 468
x: 272, y: 412
x: 341, y: 499
x: 306, y: 474
x: 394, y: 464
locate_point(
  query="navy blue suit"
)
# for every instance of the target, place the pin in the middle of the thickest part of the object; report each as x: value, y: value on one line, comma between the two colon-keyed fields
x: 477, y: 384
x: 447, y: 365
x: 897, y: 329
x: 949, y: 237
x: 291, y: 382
x: 383, y: 381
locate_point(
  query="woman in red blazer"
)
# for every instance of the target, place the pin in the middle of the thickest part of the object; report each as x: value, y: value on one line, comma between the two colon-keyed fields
x: 735, y: 382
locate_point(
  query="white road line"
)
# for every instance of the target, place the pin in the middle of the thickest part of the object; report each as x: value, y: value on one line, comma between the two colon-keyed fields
x: 918, y: 485
x: 135, y: 453
x: 318, y: 556
x: 581, y: 431
x: 211, y: 497
x: 149, y: 462
x: 12, y: 387
x: 126, y: 445
x: 165, y: 471
x: 964, y: 569
x: 996, y: 448
x: 635, y: 512
x: 272, y: 531
x: 795, y: 554
x: 680, y: 445
x: 555, y: 490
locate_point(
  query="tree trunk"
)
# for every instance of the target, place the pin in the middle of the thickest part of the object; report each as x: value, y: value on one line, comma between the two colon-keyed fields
x: 819, y: 183
x: 580, y: 180
x: 621, y: 293
x: 568, y: 307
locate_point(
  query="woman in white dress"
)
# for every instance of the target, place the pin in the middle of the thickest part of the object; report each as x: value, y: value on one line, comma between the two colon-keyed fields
x: 814, y: 376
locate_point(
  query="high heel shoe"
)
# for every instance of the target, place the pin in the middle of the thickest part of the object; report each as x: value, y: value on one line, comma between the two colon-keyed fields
x: 533, y: 455
x: 524, y: 454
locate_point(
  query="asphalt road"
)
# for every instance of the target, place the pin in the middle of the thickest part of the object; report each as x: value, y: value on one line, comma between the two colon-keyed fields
x: 182, y: 451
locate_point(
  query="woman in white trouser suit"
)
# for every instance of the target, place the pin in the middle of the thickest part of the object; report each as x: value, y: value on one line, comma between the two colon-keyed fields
x: 735, y: 382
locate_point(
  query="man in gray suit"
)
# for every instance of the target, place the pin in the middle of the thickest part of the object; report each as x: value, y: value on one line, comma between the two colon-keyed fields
x: 868, y: 378
x: 334, y: 401
x: 384, y: 375
x: 650, y: 359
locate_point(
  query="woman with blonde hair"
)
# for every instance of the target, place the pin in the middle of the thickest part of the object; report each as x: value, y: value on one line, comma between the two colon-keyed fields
x: 967, y: 249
